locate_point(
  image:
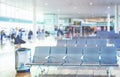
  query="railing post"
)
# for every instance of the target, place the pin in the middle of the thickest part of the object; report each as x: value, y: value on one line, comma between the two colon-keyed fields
x: 108, y: 72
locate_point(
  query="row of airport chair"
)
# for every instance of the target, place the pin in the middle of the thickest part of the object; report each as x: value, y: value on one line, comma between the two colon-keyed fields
x: 45, y: 55
x: 83, y: 42
x: 106, y: 34
x: 100, y: 34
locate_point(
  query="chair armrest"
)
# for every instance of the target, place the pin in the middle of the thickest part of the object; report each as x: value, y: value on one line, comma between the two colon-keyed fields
x: 65, y: 57
x: 99, y: 57
x: 47, y: 57
x: 82, y: 57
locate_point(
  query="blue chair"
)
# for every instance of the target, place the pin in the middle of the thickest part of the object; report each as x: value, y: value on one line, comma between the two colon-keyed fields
x: 71, y: 42
x: 81, y: 42
x: 108, y: 56
x: 91, y: 56
x: 101, y: 42
x: 74, y: 56
x: 41, y: 55
x: 61, y: 42
x: 57, y: 55
x: 91, y: 43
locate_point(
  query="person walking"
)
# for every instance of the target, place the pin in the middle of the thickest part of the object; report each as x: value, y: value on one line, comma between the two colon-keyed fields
x: 30, y: 33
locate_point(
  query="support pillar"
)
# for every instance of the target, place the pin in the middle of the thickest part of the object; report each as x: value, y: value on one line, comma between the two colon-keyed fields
x: 34, y: 18
x: 57, y: 22
x: 116, y: 26
x: 108, y: 22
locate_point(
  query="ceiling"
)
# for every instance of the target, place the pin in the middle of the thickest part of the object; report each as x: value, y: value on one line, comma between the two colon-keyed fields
x: 69, y: 8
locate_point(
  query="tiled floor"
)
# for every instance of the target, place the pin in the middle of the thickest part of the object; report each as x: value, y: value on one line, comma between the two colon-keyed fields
x: 7, y: 63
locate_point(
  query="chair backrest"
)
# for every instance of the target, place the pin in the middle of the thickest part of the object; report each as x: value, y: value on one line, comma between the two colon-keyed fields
x: 108, y: 56
x: 71, y: 42
x: 91, y: 55
x: 74, y: 50
x: 81, y: 42
x: 101, y: 42
x: 61, y: 42
x: 91, y: 42
x: 108, y: 50
x: 40, y: 53
x: 91, y: 51
x: 57, y: 54
x: 74, y: 54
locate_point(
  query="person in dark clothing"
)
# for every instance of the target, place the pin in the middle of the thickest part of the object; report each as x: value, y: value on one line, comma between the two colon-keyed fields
x: 18, y: 41
x: 30, y: 34
x: 3, y: 35
x: 60, y: 32
x: 1, y: 38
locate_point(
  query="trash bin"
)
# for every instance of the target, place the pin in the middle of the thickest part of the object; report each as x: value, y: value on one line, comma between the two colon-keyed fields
x: 22, y: 57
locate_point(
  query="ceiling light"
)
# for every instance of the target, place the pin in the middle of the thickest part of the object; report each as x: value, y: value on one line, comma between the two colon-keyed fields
x: 108, y: 7
x: 91, y: 3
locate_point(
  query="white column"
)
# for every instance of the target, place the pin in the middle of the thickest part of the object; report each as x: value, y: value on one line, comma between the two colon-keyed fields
x: 80, y: 30
x: 34, y: 18
x: 57, y: 22
x: 116, y: 19
x: 0, y: 7
x: 108, y: 22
